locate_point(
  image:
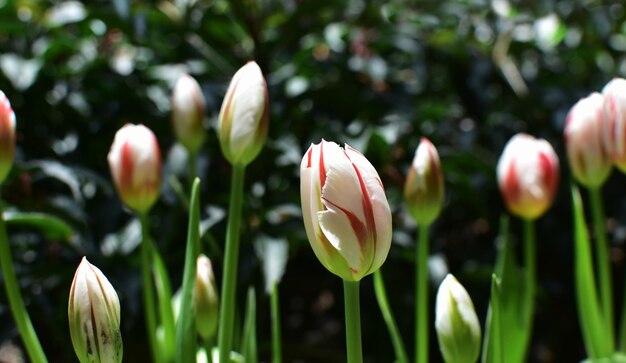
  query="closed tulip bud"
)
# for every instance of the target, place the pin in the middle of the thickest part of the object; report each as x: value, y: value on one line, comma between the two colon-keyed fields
x: 614, y: 123
x: 244, y: 117
x: 135, y: 163
x: 586, y: 151
x: 528, y: 175
x: 423, y: 189
x: 7, y: 136
x: 458, y: 330
x: 345, y: 210
x: 188, y: 109
x: 206, y: 298
x: 94, y: 316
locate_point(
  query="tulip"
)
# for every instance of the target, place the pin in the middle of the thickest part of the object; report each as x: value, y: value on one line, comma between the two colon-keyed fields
x: 94, y: 316
x: 244, y: 116
x: 614, y: 125
x: 423, y: 190
x: 458, y: 329
x: 7, y: 136
x: 188, y: 109
x: 135, y: 163
x: 528, y: 174
x: 206, y: 298
x: 586, y: 151
x: 345, y: 210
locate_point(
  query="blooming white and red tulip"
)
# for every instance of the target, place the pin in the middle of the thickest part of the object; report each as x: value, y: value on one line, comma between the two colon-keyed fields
x: 456, y: 323
x: 7, y: 136
x: 188, y: 108
x: 586, y: 151
x: 614, y: 122
x: 424, y: 189
x: 135, y: 163
x: 345, y: 210
x: 206, y: 298
x: 528, y: 175
x: 244, y: 116
x: 94, y: 316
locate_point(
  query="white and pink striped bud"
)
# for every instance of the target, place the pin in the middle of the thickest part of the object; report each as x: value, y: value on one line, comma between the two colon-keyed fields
x: 206, y: 298
x: 614, y: 123
x: 94, y: 316
x: 135, y: 163
x: 423, y: 189
x: 188, y: 108
x: 528, y: 175
x: 244, y: 116
x: 7, y: 136
x: 345, y: 210
x: 586, y: 150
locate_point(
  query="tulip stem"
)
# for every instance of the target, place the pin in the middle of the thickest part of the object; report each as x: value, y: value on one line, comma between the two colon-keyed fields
x: 16, y: 303
x: 602, y: 257
x: 276, y: 338
x: 383, y: 303
x: 193, y: 161
x: 229, y: 278
x: 530, y: 259
x: 148, y: 289
x: 353, y: 321
x: 421, y: 296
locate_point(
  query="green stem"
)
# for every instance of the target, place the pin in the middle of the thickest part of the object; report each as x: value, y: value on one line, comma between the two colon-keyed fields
x: 229, y: 279
x: 193, y: 161
x: 530, y: 259
x: 148, y: 289
x: 421, y: 296
x: 383, y: 303
x: 16, y: 303
x: 353, y: 321
x: 602, y: 257
x: 276, y: 338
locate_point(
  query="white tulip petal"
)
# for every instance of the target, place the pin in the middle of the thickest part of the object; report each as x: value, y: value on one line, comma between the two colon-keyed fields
x: 339, y: 231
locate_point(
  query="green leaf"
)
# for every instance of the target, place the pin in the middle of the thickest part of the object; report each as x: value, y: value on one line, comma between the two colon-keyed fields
x: 164, y: 297
x: 249, y: 346
x: 496, y: 322
x: 51, y: 227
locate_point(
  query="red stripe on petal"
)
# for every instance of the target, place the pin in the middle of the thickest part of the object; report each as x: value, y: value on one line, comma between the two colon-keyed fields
x: 549, y: 173
x: 360, y: 230
x: 126, y: 168
x: 366, y: 202
x: 309, y: 155
x: 322, y: 166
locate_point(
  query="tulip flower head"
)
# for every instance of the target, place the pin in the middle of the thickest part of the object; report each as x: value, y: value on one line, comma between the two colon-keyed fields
x: 206, y: 298
x: 586, y: 150
x: 135, y: 163
x: 94, y: 316
x: 423, y: 190
x: 345, y: 210
x: 528, y: 175
x: 456, y: 323
x: 188, y: 109
x: 7, y: 136
x: 614, y: 123
x: 244, y: 117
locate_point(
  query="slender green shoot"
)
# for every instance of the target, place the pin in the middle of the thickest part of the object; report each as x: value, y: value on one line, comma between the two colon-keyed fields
x: 353, y: 321
x: 276, y: 336
x: 530, y: 280
x: 421, y: 296
x: 148, y: 290
x: 249, y: 346
x: 164, y: 298
x: 383, y: 303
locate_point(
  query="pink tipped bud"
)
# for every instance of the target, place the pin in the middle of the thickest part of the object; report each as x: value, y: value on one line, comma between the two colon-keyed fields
x: 206, y: 297
x: 135, y: 163
x: 345, y: 210
x: 244, y: 117
x: 528, y: 175
x: 423, y: 189
x: 188, y: 109
x: 586, y: 151
x: 614, y: 123
x: 7, y: 136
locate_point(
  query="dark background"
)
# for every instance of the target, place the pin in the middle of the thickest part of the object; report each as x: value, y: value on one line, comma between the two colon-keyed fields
x: 378, y: 75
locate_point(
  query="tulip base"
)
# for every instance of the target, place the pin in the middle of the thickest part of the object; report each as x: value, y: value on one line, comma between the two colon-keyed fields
x: 353, y: 321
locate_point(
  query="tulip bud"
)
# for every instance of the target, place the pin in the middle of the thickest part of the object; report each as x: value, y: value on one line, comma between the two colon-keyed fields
x: 614, y: 122
x: 423, y: 189
x: 206, y: 298
x: 135, y: 163
x: 528, y: 174
x: 458, y: 330
x: 188, y: 109
x: 244, y: 117
x: 345, y: 210
x: 7, y: 136
x: 586, y: 151
x: 94, y: 316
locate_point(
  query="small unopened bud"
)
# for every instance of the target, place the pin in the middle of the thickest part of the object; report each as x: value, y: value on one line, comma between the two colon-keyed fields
x: 423, y: 189
x: 458, y: 329
x: 94, y: 316
x: 244, y: 117
x: 7, y: 136
x: 207, y: 302
x: 188, y: 109
x: 614, y: 122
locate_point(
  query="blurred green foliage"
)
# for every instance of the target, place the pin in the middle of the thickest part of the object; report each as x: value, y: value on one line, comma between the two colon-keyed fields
x: 468, y: 74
